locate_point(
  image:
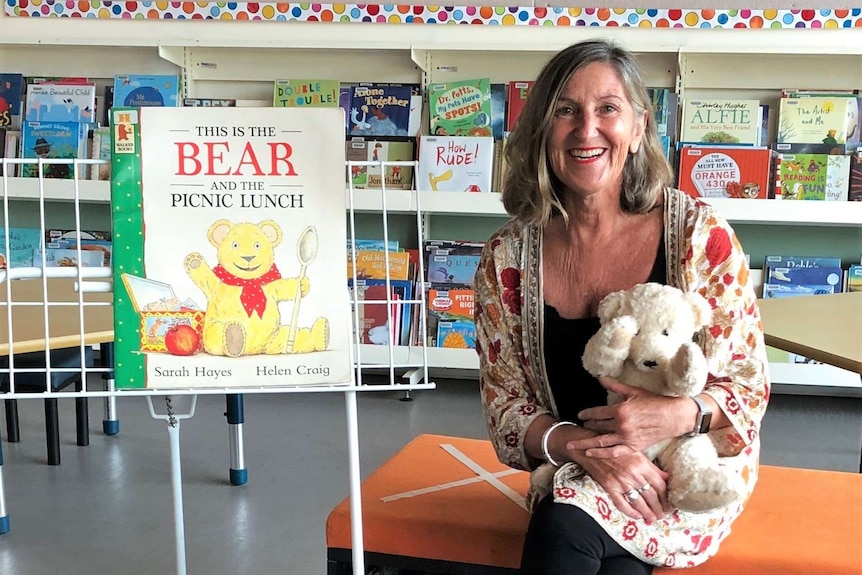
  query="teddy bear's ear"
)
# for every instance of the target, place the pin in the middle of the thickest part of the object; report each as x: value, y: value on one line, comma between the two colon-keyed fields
x: 271, y: 230
x: 218, y: 231
x: 610, y: 306
x: 700, y: 307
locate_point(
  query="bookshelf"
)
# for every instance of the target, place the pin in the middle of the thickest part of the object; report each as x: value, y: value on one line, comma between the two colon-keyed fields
x: 239, y: 59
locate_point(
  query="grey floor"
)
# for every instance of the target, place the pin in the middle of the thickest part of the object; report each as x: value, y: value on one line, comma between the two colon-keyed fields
x: 107, y: 509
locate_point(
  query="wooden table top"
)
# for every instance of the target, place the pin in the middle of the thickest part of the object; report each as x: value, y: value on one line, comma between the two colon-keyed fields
x: 64, y: 326
x: 822, y: 327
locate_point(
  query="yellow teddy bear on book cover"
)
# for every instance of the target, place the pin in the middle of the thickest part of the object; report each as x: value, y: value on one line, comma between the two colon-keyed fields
x: 232, y: 223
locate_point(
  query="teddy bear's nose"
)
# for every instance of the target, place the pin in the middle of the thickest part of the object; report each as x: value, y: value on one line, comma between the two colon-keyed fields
x: 650, y: 363
x: 247, y: 258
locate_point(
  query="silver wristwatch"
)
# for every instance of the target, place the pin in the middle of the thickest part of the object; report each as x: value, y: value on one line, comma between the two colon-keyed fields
x: 704, y: 418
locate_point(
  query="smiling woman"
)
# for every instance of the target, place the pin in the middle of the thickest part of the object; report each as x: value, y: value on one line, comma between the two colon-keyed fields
x: 588, y: 187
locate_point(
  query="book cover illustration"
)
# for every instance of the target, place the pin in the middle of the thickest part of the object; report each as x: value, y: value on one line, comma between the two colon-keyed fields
x: 452, y: 268
x: 854, y: 278
x: 724, y: 172
x: 461, y: 108
x: 381, y: 150
x: 783, y: 261
x: 146, y: 91
x: 450, y: 304
x: 60, y: 102
x: 837, y: 178
x: 456, y: 334
x: 306, y: 93
x: 101, y: 248
x: 815, y: 120
x: 371, y: 264
x: 517, y: 98
x: 498, y: 110
x: 50, y: 140
x: 373, y: 317
x: 239, y: 215
x: 68, y: 258
x: 380, y: 110
x: 458, y: 164
x: 101, y: 150
x: 801, y: 176
x: 11, y: 89
x: 23, y: 243
x: 720, y: 121
x: 854, y: 193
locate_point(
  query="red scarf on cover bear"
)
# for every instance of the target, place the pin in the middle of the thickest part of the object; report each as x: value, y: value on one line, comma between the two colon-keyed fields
x: 252, y: 297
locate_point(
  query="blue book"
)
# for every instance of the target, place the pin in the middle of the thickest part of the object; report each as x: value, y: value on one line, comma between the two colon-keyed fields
x: 802, y: 262
x: 23, y: 242
x: 51, y: 140
x: 452, y: 268
x: 806, y: 276
x: 60, y: 102
x: 379, y: 110
x: 456, y: 334
x: 139, y: 90
x: 11, y: 88
x: 499, y: 96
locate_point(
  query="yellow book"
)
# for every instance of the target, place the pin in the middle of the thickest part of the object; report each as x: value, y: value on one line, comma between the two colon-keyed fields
x: 372, y: 265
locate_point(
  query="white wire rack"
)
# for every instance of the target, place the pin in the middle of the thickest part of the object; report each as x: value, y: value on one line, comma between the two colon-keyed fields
x: 78, y: 292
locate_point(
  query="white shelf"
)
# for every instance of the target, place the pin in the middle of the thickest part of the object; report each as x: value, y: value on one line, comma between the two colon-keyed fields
x: 789, y: 212
x: 438, y: 357
x: 88, y: 191
x: 407, y: 201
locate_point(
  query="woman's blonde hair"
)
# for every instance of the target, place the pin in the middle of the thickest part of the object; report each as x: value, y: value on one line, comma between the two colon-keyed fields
x: 531, y: 191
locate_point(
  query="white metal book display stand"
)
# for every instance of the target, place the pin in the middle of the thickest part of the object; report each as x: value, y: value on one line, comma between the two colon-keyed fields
x: 86, y: 282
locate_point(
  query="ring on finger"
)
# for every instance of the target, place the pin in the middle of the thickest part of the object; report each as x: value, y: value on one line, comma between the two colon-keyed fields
x: 632, y: 495
x: 646, y: 487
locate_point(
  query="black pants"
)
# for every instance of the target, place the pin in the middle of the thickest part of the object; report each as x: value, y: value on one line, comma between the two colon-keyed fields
x: 563, y: 540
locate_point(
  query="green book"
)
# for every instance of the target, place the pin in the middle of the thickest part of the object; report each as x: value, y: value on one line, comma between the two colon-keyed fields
x: 461, y: 108
x: 304, y: 93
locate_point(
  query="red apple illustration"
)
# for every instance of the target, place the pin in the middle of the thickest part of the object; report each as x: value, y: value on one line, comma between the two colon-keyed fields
x: 182, y: 339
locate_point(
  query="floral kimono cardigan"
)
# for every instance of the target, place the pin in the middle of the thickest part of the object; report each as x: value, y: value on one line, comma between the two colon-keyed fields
x: 703, y: 256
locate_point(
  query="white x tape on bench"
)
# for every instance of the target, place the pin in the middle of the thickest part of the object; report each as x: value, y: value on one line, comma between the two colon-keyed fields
x: 482, y: 474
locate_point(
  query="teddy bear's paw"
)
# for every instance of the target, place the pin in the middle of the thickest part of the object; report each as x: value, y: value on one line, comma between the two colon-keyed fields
x: 620, y: 331
x: 320, y: 334
x: 193, y: 261
x: 234, y: 340
x: 689, y: 371
x: 709, y: 489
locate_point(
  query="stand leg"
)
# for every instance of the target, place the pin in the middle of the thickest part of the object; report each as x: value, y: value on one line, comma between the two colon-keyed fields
x: 52, y: 431
x: 357, y: 540
x: 110, y: 425
x: 4, y: 517
x: 177, y: 484
x: 235, y: 420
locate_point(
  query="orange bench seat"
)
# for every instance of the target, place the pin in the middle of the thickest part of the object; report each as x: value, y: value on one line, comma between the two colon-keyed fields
x: 446, y: 505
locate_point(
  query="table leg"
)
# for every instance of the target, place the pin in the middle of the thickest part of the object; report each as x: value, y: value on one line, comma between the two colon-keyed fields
x: 110, y: 425
x: 4, y: 517
x: 235, y: 419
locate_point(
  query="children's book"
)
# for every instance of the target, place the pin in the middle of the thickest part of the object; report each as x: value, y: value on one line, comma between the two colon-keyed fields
x: 23, y: 242
x: 371, y: 264
x: 11, y: 89
x: 448, y: 303
x: 101, y: 247
x: 375, y: 311
x: 837, y: 178
x: 724, y: 172
x: 101, y: 150
x: 381, y: 150
x: 380, y: 110
x: 244, y: 223
x: 460, y: 108
x: 146, y: 91
x: 305, y: 93
x: 800, y: 177
x: 854, y: 193
x: 209, y: 102
x: 60, y: 102
x: 714, y: 121
x: 50, y: 140
x: 517, y: 98
x: 402, y: 290
x: 68, y: 258
x: 457, y: 164
x: 811, y: 120
x: 854, y: 278
x: 498, y: 110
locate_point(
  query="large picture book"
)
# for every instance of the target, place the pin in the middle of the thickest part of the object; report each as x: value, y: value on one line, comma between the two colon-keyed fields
x: 724, y: 172
x: 460, y: 108
x: 806, y: 176
x: 233, y: 234
x: 381, y: 150
x: 23, y: 243
x: 146, y: 91
x: 718, y: 121
x: 455, y: 164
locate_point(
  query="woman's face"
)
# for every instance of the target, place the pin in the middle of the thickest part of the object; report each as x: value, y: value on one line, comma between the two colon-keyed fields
x: 594, y: 129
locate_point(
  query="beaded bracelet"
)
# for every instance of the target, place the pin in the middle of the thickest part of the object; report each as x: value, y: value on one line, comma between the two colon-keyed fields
x: 545, y: 437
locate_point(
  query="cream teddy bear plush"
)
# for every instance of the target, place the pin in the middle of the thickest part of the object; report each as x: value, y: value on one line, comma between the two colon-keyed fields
x: 645, y: 341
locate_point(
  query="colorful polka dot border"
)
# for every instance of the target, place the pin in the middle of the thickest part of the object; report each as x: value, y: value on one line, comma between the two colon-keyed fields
x: 408, y: 14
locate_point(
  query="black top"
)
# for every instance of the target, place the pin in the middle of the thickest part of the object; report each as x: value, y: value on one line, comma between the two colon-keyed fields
x: 565, y: 339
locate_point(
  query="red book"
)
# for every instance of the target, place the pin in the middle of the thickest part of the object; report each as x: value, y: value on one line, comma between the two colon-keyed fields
x: 724, y: 172
x: 517, y: 98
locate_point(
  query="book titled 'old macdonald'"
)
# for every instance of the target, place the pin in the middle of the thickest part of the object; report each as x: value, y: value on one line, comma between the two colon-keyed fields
x: 230, y: 234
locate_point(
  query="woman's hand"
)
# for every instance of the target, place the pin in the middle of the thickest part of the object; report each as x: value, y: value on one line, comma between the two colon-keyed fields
x: 637, y: 487
x: 642, y: 419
